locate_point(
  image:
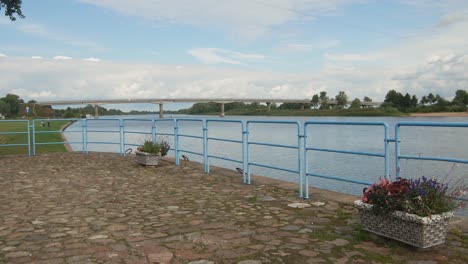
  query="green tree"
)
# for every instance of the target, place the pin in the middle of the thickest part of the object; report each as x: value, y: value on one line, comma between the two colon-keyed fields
x: 431, y: 98
x: 355, y: 104
x: 367, y: 99
x: 424, y: 100
x: 4, y: 108
x: 32, y: 101
x: 461, y: 97
x: 315, y: 101
x: 414, y: 101
x: 323, y: 100
x: 341, y: 99
x: 13, y: 101
x: 12, y: 7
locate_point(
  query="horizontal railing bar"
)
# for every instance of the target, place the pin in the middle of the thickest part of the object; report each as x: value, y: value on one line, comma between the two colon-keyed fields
x: 13, y: 145
x: 70, y: 131
x: 272, y: 167
x: 48, y: 131
x: 433, y: 158
x: 224, y: 158
x: 104, y: 131
x: 12, y: 133
x: 224, y: 121
x: 165, y: 134
x: 137, y: 132
x: 337, y: 178
x: 190, y: 136
x: 105, y: 143
x: 345, y: 123
x: 58, y: 119
x: 189, y: 119
x: 347, y: 152
x: 272, y: 122
x: 272, y: 145
x: 57, y: 143
x: 432, y: 124
x: 191, y: 152
x: 18, y: 121
x: 224, y: 139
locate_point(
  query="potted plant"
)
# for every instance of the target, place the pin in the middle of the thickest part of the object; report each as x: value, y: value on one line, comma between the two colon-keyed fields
x: 413, y: 211
x: 149, y: 153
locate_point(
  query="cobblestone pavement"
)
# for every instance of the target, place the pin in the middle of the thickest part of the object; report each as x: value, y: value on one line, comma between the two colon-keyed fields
x: 102, y: 208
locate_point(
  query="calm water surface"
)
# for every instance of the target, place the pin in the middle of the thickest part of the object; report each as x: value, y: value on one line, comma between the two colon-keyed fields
x: 424, y: 141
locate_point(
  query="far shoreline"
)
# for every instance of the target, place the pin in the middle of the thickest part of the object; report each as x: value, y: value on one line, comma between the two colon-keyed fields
x: 440, y: 114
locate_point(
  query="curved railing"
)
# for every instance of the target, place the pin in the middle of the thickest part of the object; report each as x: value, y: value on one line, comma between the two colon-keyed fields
x: 247, y: 160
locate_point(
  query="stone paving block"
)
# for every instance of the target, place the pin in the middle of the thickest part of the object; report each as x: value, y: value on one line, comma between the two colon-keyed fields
x: 103, y: 208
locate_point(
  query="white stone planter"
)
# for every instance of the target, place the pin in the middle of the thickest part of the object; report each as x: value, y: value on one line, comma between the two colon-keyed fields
x: 147, y: 159
x: 411, y: 229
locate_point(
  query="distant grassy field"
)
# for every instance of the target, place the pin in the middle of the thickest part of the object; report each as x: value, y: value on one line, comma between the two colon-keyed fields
x: 23, y: 138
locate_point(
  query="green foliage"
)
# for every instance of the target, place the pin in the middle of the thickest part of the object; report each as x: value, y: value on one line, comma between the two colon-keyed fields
x: 13, y: 101
x: 11, y: 7
x: 315, y: 101
x: 161, y: 146
x: 355, y: 104
x: 81, y: 112
x: 4, y: 107
x: 341, y: 99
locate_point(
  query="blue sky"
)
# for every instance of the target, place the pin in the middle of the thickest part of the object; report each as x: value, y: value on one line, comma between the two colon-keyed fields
x: 96, y: 49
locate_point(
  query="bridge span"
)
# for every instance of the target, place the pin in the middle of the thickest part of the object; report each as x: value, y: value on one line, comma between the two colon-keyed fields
x: 162, y: 101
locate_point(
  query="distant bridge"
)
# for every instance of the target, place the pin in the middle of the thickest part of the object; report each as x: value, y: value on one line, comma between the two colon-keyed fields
x: 162, y: 101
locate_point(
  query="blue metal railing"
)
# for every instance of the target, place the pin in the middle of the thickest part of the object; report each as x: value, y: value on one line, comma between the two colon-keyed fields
x: 302, y: 147
x: 207, y: 138
x: 26, y: 132
x: 398, y: 155
x: 384, y: 155
x: 297, y: 147
x: 115, y: 131
x: 178, y: 135
x: 35, y: 132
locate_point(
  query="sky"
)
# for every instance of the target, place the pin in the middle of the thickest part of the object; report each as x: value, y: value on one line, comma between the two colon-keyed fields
x: 114, y: 49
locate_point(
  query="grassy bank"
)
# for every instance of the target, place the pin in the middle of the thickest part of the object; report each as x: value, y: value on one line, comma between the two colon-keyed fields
x: 314, y: 112
x: 23, y: 138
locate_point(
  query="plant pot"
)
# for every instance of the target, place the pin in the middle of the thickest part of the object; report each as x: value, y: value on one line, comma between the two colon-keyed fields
x: 147, y: 159
x: 422, y: 232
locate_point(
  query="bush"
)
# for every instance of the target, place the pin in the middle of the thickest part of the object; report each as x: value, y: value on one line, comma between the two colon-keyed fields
x: 161, y: 146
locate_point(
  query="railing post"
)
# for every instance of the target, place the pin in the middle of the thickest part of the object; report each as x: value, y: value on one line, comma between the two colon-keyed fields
x: 122, y: 138
x: 153, y: 130
x: 34, y: 137
x: 300, y: 160
x: 205, y: 147
x: 85, y: 136
x: 387, y: 160
x: 306, y: 163
x: 397, y: 150
x: 244, y: 172
x: 247, y: 152
x: 176, y: 142
x: 28, y: 127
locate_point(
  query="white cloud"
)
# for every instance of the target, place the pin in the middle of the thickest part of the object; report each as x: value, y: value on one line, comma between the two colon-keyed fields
x: 215, y: 56
x: 62, y: 58
x: 2, y: 55
x: 36, y: 57
x: 43, y: 31
x: 244, y: 18
x: 306, y: 47
x: 92, y: 59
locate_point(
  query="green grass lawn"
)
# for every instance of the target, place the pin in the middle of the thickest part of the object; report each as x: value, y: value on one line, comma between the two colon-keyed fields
x: 23, y: 138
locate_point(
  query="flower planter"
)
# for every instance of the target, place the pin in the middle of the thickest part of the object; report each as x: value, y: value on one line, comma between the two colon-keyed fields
x: 422, y: 232
x: 147, y: 159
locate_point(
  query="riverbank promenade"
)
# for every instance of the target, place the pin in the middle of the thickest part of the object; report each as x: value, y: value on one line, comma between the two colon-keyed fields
x: 103, y: 208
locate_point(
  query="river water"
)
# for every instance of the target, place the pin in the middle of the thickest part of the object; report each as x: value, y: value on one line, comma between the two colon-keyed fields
x: 424, y: 141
